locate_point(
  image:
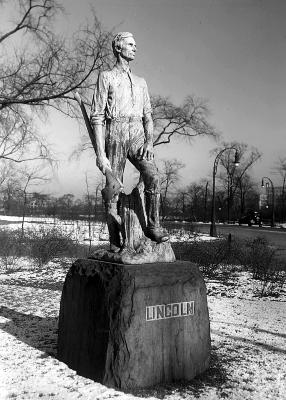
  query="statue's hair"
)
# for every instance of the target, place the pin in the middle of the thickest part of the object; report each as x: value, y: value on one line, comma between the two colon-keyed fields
x: 117, y: 40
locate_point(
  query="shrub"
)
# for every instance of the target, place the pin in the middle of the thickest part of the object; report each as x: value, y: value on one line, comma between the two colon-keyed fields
x: 260, y: 258
x: 210, y: 255
x: 42, y: 244
x: 10, y: 248
x: 213, y: 257
x: 273, y: 280
x: 48, y: 244
x: 257, y: 256
x: 221, y: 259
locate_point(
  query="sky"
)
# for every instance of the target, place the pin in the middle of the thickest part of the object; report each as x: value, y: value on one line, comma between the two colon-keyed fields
x: 230, y: 52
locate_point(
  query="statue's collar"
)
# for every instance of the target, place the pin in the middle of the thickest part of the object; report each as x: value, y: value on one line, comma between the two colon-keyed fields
x: 122, y: 68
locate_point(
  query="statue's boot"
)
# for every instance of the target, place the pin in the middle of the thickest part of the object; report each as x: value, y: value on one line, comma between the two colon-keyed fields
x: 114, y: 225
x: 153, y: 230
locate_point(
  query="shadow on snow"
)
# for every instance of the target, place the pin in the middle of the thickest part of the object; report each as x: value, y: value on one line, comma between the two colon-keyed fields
x: 38, y: 332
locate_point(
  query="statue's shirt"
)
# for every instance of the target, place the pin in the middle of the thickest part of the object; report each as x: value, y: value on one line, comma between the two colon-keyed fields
x: 119, y: 94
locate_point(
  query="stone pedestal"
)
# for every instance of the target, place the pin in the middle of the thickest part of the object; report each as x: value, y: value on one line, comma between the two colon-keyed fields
x: 130, y: 326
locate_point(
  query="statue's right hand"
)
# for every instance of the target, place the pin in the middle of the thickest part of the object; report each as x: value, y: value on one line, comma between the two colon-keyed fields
x: 103, y: 164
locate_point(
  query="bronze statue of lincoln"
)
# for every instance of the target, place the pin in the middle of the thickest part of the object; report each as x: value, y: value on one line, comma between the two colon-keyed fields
x: 121, y: 119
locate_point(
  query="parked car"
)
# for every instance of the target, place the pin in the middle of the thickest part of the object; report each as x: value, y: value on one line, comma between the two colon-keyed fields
x: 251, y: 218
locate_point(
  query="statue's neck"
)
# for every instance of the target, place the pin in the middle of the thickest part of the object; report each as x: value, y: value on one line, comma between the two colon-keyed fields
x: 124, y: 64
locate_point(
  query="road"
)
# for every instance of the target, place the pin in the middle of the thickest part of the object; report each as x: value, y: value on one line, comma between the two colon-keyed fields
x: 275, y: 236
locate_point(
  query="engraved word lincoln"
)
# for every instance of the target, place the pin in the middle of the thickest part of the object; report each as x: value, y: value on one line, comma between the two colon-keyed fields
x: 122, y: 125
x: 172, y: 310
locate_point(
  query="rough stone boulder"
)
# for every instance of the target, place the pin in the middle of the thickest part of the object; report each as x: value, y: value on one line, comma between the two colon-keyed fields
x: 130, y: 326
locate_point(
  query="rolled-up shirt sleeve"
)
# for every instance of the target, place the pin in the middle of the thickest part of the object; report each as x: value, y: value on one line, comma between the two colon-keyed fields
x: 147, y: 108
x: 99, y: 100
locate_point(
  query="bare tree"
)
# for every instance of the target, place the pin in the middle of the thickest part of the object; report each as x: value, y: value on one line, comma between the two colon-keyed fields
x: 232, y: 175
x: 182, y: 122
x: 194, y: 206
x: 185, y: 121
x: 30, y: 177
x: 97, y: 198
x: 7, y: 172
x: 89, y: 210
x: 247, y: 188
x: 9, y: 185
x: 65, y: 205
x: 169, y: 177
x: 19, y: 140
x: 45, y: 72
x: 39, y: 69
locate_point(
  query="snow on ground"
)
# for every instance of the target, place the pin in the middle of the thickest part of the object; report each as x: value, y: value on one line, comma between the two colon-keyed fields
x: 79, y: 230
x: 248, y: 342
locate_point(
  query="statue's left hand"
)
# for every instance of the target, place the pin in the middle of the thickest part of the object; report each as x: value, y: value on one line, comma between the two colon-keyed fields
x: 146, y: 152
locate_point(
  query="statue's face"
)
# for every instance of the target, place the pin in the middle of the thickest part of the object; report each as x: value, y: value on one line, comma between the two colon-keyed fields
x: 128, y: 48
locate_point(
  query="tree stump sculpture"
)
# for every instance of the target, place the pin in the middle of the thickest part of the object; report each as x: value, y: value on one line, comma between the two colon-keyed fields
x: 137, y: 248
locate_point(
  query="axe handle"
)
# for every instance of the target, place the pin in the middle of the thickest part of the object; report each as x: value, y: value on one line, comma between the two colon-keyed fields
x: 89, y: 127
x: 86, y: 120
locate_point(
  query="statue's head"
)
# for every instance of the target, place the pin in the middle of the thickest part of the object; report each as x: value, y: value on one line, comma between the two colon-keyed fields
x: 123, y: 44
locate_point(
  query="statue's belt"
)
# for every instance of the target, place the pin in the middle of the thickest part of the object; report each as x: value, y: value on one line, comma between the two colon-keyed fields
x: 124, y: 118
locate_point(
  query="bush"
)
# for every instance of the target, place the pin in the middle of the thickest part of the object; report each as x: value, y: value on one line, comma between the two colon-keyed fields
x: 273, y: 280
x: 215, y: 258
x: 10, y: 247
x: 220, y: 259
x: 257, y: 256
x: 260, y: 258
x: 210, y: 255
x: 42, y: 244
x: 47, y: 244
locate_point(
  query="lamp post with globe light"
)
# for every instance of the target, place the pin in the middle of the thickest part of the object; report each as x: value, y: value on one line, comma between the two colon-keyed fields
x: 273, y: 198
x: 213, y: 231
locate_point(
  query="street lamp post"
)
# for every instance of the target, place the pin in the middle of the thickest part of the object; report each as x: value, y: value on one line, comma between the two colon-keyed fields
x: 213, y: 231
x: 206, y: 201
x: 183, y: 207
x: 273, y: 199
x: 184, y: 202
